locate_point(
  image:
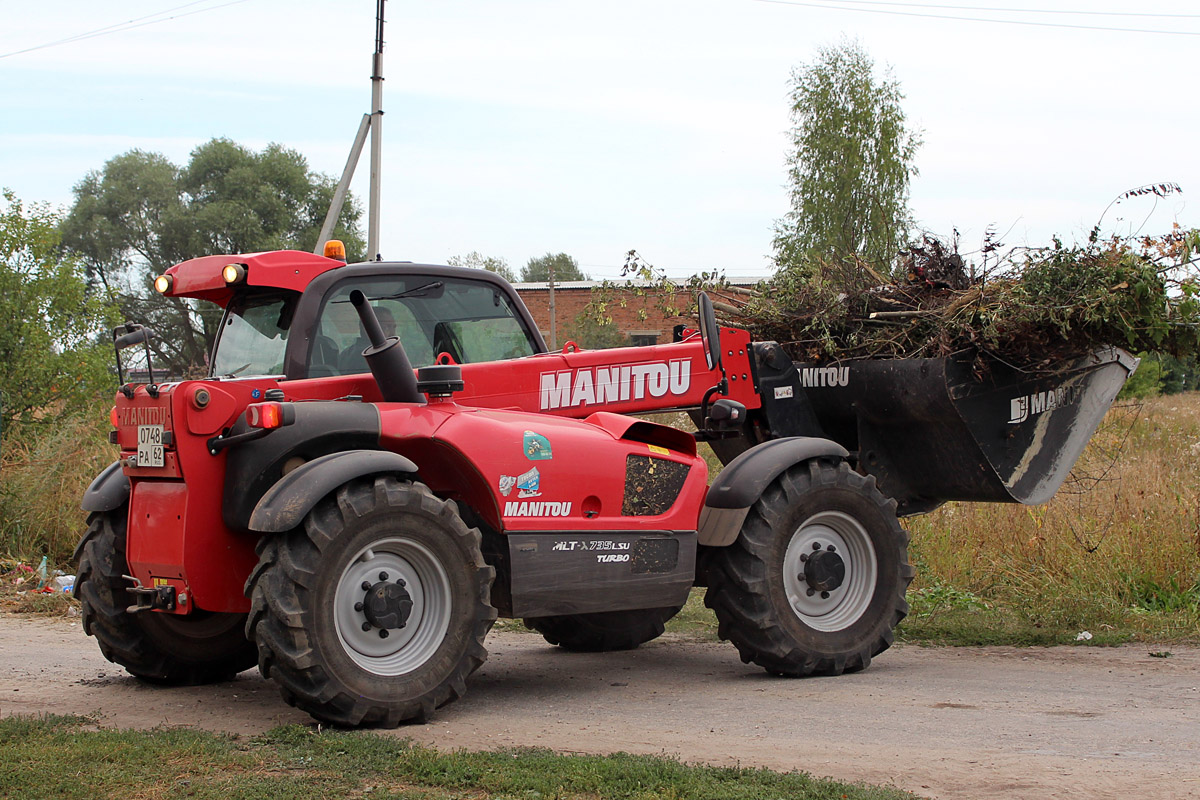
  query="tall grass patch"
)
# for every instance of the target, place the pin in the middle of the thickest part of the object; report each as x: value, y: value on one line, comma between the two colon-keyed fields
x: 44, y: 470
x: 1115, y: 554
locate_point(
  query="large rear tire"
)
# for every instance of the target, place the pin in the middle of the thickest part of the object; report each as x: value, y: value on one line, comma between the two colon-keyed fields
x: 815, y: 582
x: 374, y: 612
x: 201, y: 647
x: 603, y: 631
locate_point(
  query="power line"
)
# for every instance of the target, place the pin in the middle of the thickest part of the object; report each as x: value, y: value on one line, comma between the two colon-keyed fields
x: 838, y: 5
x: 120, y: 27
x: 1018, y: 10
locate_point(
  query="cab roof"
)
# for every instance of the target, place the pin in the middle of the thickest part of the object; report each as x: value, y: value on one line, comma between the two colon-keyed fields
x: 278, y: 269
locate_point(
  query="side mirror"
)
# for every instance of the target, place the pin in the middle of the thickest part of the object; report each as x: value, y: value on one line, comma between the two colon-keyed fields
x: 128, y: 335
x: 136, y: 335
x: 725, y: 414
x: 710, y: 333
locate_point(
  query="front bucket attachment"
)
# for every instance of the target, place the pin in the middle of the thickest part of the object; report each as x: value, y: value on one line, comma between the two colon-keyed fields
x: 931, y: 431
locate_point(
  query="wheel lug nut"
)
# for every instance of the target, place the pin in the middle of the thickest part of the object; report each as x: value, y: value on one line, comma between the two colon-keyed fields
x: 824, y: 595
x: 366, y: 586
x: 811, y: 591
x: 358, y: 606
x: 804, y: 556
x: 383, y: 633
x: 400, y: 582
x: 816, y: 545
x: 831, y: 548
x: 383, y: 576
x: 366, y: 626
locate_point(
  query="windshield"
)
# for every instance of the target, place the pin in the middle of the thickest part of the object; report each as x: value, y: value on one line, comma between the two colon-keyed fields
x: 253, y: 336
x: 469, y: 320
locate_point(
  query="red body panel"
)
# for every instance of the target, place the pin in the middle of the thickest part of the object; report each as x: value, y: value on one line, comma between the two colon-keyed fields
x: 176, y: 532
x: 284, y: 269
x: 573, y: 480
x: 624, y: 380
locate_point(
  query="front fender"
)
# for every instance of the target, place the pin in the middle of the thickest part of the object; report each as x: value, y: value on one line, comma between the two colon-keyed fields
x: 286, y: 503
x: 108, y: 491
x: 745, y: 479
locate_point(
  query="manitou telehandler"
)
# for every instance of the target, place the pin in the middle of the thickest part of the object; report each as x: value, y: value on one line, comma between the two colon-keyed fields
x: 355, y: 527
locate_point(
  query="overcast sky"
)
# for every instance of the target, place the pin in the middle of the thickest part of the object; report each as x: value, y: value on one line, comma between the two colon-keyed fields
x: 520, y: 127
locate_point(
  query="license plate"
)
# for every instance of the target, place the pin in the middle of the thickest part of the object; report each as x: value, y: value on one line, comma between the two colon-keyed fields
x: 150, y: 446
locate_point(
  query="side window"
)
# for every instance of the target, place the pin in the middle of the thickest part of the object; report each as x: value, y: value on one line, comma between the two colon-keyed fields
x: 341, y: 339
x: 468, y: 319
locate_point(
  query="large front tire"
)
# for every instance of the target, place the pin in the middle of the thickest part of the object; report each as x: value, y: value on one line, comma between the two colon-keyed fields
x: 374, y: 612
x: 177, y: 650
x: 815, y: 582
x: 603, y: 631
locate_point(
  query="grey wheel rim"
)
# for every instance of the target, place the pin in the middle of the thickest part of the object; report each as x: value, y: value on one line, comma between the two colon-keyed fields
x: 843, y: 606
x: 403, y: 649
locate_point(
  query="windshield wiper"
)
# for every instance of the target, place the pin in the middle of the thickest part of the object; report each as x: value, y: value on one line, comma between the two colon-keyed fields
x: 412, y: 292
x: 235, y: 373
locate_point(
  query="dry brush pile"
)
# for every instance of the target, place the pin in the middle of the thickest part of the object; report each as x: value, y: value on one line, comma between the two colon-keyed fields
x: 1033, y: 308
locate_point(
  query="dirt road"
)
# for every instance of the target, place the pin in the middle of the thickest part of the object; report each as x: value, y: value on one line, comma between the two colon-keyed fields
x: 946, y: 723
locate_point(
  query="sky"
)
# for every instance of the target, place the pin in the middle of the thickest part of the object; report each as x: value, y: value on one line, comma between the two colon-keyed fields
x: 520, y: 127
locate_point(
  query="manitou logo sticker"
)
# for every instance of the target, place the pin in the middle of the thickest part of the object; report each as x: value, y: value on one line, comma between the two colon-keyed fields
x: 1022, y: 408
x: 142, y: 415
x: 587, y: 387
x: 537, y: 508
x: 822, y: 376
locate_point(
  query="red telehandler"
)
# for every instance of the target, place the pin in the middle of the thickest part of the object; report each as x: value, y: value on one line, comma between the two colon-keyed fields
x: 354, y: 526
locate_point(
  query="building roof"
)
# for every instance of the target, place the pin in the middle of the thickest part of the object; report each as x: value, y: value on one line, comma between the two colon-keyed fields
x: 536, y: 286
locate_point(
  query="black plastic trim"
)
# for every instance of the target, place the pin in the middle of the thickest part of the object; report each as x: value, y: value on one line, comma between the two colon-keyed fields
x: 108, y: 491
x: 746, y: 477
x: 321, y: 427
x: 286, y: 503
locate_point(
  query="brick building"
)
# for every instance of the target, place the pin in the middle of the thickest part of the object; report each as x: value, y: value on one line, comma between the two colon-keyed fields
x: 639, y: 321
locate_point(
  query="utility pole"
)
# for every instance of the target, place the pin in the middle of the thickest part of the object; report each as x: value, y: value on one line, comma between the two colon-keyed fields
x: 372, y: 123
x: 553, y: 317
x: 376, y: 136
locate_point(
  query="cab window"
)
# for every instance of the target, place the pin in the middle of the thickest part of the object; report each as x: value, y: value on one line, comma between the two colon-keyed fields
x: 469, y: 320
x: 253, y: 336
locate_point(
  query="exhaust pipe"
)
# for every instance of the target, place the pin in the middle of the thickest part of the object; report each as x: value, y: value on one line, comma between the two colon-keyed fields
x: 386, y: 357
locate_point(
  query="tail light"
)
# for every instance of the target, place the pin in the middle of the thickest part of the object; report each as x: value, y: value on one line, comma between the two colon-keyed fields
x: 270, y: 415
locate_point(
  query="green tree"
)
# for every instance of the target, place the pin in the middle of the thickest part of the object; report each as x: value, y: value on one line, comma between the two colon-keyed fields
x: 474, y: 260
x: 849, y: 174
x: 1146, y: 381
x: 141, y: 214
x: 52, y: 359
x: 565, y: 269
x: 592, y: 334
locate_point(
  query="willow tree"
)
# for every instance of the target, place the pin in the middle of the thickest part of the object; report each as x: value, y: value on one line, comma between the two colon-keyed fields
x: 851, y: 164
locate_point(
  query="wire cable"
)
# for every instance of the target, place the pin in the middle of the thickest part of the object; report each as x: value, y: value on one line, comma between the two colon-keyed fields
x: 833, y: 5
x: 1003, y: 10
x: 121, y: 27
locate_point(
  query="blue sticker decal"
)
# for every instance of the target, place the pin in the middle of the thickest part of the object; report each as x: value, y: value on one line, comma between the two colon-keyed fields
x: 537, y: 447
x: 255, y: 393
x: 529, y: 484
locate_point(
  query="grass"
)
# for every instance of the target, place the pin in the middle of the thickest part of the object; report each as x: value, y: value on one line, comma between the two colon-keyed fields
x: 44, y: 471
x: 65, y: 758
x: 1116, y: 553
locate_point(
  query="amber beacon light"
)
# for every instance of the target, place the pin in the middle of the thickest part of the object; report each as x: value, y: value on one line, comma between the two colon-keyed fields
x: 334, y: 248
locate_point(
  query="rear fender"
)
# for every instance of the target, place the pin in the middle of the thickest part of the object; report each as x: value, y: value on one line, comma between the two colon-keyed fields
x: 744, y: 480
x: 286, y: 503
x: 109, y: 490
